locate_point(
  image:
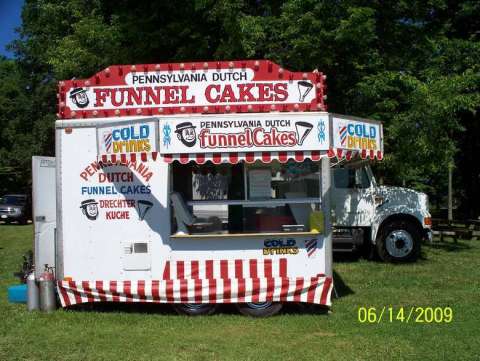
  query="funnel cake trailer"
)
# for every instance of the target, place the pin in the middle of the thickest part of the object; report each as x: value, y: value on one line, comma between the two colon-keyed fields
x: 198, y: 184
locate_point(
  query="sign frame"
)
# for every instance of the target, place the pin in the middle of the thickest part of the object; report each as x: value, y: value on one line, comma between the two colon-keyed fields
x: 308, y: 132
x: 187, y: 88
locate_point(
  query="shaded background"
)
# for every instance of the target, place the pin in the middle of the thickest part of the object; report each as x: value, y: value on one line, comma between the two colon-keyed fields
x: 414, y: 65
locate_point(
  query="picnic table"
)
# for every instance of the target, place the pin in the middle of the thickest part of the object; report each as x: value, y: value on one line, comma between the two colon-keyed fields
x: 466, y: 229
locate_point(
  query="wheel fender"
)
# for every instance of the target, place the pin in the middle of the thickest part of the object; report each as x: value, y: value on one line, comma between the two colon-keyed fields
x: 382, y: 218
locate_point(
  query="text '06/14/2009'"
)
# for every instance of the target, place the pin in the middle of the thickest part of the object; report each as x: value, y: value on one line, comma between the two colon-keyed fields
x: 408, y: 314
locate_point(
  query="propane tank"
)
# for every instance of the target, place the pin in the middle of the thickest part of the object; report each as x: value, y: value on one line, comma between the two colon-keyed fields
x: 48, y: 302
x: 32, y: 293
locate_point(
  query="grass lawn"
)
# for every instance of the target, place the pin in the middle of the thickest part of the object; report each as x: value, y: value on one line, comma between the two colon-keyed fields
x: 447, y: 275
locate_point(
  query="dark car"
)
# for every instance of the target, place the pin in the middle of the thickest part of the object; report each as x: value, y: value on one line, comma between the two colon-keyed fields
x: 15, y: 208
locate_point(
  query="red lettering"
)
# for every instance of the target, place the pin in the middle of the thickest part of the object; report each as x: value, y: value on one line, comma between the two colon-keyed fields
x: 264, y: 94
x: 118, y: 91
x: 100, y: 96
x: 293, y: 139
x: 208, y: 93
x: 172, y: 95
x: 245, y: 93
x: 202, y: 137
x: 152, y: 95
x: 228, y: 95
x: 257, y: 139
x: 90, y: 170
x: 281, y: 92
x: 134, y: 96
x: 184, y: 89
x: 117, y: 203
x: 242, y: 140
x: 117, y: 215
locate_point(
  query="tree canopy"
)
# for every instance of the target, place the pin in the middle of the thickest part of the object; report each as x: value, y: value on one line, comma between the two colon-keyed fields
x: 414, y: 65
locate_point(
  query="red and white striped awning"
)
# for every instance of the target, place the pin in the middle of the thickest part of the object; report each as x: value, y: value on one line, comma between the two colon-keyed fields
x: 248, y: 157
x: 235, y: 157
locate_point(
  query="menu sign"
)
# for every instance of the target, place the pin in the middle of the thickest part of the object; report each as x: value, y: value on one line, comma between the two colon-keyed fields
x: 260, y: 184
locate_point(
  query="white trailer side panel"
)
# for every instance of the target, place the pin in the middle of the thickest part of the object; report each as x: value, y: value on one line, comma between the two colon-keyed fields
x: 113, y: 219
x: 114, y: 224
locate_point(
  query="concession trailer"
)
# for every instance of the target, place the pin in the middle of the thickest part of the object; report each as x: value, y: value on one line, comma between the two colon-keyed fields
x: 197, y: 184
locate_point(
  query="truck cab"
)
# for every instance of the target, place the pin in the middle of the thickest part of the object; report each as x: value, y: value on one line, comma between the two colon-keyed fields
x: 391, y: 220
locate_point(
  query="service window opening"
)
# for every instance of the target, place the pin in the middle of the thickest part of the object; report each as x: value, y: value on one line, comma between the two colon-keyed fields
x: 244, y: 198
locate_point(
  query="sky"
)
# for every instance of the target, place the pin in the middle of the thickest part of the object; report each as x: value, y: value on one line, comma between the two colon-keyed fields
x: 10, y: 11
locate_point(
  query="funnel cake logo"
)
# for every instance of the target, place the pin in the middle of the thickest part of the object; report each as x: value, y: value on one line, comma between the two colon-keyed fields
x: 254, y: 137
x: 303, y: 130
x: 186, y: 133
x: 143, y: 206
x: 89, y: 208
x: 304, y: 87
x: 79, y: 97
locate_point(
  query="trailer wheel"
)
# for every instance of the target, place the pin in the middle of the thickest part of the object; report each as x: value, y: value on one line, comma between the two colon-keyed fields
x: 195, y: 309
x: 260, y: 309
x: 399, y: 241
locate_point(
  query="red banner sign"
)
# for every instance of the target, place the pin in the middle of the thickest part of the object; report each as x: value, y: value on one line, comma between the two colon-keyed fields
x: 210, y: 87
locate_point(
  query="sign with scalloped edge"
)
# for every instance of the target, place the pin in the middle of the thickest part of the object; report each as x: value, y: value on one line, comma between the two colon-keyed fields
x: 191, y: 88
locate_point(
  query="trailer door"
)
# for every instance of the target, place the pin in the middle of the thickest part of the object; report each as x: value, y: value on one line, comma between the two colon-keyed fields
x: 44, y: 211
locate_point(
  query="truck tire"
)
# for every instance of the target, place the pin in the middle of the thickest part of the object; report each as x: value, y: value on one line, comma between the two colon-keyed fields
x: 261, y: 309
x: 195, y: 309
x: 399, y: 241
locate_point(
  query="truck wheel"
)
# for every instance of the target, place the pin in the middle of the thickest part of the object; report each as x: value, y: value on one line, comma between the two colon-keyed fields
x: 260, y: 309
x: 195, y: 309
x: 399, y: 241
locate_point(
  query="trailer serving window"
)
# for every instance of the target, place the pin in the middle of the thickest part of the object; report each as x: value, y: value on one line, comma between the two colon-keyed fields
x: 244, y: 197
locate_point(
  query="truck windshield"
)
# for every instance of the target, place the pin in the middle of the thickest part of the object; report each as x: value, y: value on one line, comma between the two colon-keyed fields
x: 350, y: 178
x: 16, y: 200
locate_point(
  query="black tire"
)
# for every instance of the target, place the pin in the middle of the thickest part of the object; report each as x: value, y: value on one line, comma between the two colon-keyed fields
x: 399, y: 241
x: 262, y: 309
x: 367, y: 249
x: 195, y: 309
x: 313, y: 308
x: 23, y: 221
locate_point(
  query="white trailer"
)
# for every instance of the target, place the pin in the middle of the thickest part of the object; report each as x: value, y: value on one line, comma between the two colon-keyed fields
x: 198, y: 209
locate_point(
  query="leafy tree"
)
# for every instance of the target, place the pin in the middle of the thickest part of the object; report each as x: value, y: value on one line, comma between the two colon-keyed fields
x: 412, y: 64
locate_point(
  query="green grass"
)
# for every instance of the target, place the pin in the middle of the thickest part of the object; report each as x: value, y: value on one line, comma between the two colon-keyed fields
x: 448, y: 275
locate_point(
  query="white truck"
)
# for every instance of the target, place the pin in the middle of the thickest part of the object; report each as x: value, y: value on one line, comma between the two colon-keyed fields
x: 391, y: 220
